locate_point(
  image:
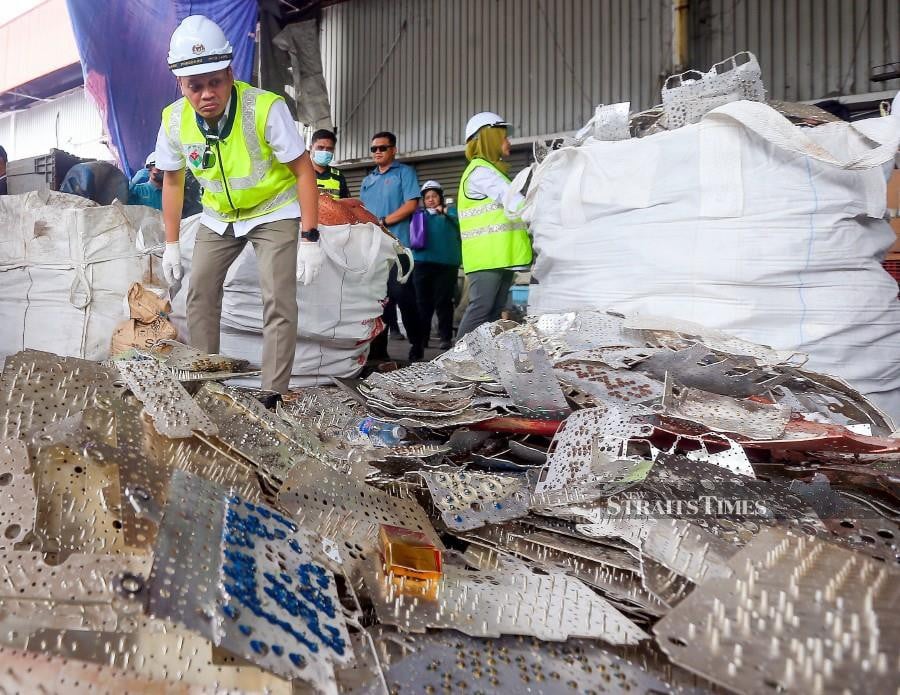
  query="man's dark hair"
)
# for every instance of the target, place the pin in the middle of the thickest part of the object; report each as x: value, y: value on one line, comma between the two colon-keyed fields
x: 3, y: 154
x: 391, y: 138
x: 324, y: 134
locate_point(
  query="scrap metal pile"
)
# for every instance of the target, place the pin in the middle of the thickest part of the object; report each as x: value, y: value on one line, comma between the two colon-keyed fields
x: 582, y: 503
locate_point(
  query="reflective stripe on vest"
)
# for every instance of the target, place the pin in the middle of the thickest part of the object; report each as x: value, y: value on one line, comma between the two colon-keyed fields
x: 255, y: 183
x: 490, y: 239
x: 330, y: 185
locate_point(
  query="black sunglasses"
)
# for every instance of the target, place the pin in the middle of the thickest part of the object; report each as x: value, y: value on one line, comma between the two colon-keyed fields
x: 380, y: 148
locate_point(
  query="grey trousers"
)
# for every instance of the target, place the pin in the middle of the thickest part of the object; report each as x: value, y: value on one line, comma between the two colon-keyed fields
x: 275, y: 244
x: 488, y: 292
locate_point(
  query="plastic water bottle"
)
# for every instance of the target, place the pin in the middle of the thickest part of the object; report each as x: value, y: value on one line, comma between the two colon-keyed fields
x: 377, y: 432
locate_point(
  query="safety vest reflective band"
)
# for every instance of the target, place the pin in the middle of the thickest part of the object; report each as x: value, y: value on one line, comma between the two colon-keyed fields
x: 330, y: 183
x: 490, y: 239
x: 245, y: 179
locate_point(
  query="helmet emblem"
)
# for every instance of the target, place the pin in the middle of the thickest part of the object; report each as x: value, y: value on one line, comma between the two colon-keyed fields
x: 198, y: 48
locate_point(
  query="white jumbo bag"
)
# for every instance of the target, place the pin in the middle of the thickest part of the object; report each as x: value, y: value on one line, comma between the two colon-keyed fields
x: 66, y: 264
x: 339, y: 314
x: 742, y: 222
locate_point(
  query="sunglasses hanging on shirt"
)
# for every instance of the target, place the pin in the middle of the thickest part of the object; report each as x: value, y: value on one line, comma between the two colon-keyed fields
x: 209, y: 157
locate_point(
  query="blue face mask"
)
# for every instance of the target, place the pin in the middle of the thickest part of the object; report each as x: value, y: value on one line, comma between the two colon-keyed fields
x: 322, y: 157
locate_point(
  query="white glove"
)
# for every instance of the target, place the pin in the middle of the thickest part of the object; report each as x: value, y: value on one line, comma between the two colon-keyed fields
x: 171, y: 262
x: 309, y: 261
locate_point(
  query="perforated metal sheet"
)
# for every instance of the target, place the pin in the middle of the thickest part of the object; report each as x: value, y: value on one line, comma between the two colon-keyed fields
x: 607, y: 384
x: 723, y: 414
x: 614, y: 358
x: 279, y: 606
x: 689, y: 96
x: 682, y: 547
x: 585, y: 442
x: 247, y: 427
x: 733, y: 458
x: 174, y: 412
x: 549, y: 606
x: 25, y: 672
x: 659, y: 331
x: 17, y: 500
x: 481, y: 345
x: 187, y: 557
x: 159, y: 651
x: 468, y: 500
x: 79, y: 503
x: 247, y: 580
x: 349, y: 512
x: 528, y: 378
x: 699, y: 367
x: 620, y: 586
x: 84, y: 592
x: 448, y: 662
x: 667, y: 586
x: 797, y: 615
x: 585, y: 330
x: 186, y: 358
x: 44, y: 387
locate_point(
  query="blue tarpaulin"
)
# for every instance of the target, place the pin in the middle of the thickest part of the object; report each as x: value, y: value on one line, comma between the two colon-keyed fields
x: 123, y: 46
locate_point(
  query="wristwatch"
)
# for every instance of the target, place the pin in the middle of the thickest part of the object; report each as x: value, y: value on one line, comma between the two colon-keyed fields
x: 310, y: 235
x: 383, y: 222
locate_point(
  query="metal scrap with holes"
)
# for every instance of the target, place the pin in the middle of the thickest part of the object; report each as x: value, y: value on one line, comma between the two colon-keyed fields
x: 797, y: 614
x: 349, y: 512
x: 252, y: 431
x: 43, y: 387
x: 548, y: 606
x: 724, y: 414
x: 261, y: 593
x: 17, y: 499
x: 174, y: 412
x: 468, y: 500
x: 452, y: 662
x: 586, y: 442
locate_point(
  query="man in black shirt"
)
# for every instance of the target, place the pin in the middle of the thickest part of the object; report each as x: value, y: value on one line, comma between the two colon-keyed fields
x: 329, y: 179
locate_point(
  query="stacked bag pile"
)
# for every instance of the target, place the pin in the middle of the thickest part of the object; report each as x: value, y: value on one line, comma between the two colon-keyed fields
x: 739, y: 220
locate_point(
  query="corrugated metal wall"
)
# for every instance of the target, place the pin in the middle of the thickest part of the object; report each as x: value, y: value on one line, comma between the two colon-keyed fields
x: 421, y: 67
x: 808, y: 49
x: 69, y: 122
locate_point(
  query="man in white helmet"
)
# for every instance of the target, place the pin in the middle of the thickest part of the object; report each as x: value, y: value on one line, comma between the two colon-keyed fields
x: 246, y: 152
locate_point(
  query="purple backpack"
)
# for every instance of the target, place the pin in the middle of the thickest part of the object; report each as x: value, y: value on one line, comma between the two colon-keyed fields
x: 418, y: 239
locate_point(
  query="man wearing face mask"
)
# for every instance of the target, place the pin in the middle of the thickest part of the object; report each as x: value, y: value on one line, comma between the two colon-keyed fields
x: 328, y: 179
x: 148, y: 193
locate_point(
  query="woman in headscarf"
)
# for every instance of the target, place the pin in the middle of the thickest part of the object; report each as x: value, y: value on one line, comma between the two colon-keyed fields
x: 494, y: 245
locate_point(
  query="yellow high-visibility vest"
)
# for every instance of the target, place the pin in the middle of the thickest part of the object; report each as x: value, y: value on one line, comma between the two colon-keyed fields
x: 490, y: 238
x: 244, y: 179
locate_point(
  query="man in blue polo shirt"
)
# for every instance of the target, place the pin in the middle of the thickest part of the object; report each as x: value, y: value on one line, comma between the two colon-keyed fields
x: 391, y: 193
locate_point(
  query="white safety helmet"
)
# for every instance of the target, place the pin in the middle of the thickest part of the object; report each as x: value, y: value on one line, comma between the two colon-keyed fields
x: 151, y: 159
x: 198, y: 46
x: 431, y: 185
x: 480, y: 120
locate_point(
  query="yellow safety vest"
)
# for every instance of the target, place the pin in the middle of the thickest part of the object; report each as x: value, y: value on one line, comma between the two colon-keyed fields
x: 330, y: 183
x: 245, y: 180
x: 490, y: 239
